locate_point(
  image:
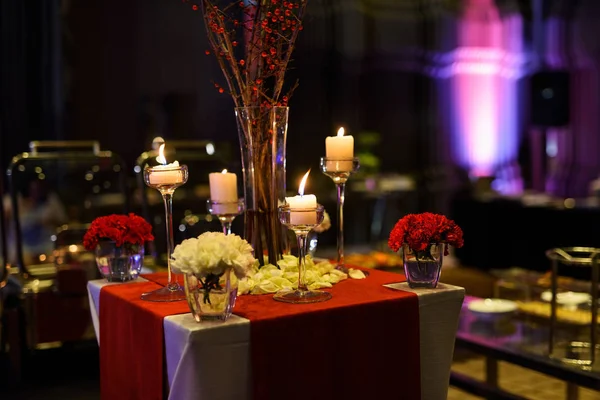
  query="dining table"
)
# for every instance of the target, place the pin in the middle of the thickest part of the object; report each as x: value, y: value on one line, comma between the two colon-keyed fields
x: 375, y: 338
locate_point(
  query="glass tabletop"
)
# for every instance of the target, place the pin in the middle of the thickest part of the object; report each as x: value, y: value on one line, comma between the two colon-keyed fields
x: 520, y: 341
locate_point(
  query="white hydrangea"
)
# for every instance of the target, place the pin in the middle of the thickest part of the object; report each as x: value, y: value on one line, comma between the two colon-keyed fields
x: 212, y: 253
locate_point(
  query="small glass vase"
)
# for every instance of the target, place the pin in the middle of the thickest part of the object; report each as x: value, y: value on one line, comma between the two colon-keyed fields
x: 215, y: 303
x: 423, y: 268
x: 119, y: 264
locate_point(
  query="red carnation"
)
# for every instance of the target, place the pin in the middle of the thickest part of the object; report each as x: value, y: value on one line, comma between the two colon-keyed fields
x: 419, y: 230
x: 122, y: 229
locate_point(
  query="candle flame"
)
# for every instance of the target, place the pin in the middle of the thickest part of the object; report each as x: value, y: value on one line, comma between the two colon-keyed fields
x: 161, y: 155
x: 303, y: 183
x: 341, y: 131
x: 224, y: 171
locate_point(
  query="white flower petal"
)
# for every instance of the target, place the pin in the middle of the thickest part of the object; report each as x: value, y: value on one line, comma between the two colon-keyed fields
x: 356, y: 274
x: 319, y: 285
x: 265, y: 287
x: 270, y: 279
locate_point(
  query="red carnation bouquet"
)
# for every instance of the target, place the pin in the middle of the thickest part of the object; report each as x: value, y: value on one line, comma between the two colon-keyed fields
x: 420, y: 230
x: 124, y: 230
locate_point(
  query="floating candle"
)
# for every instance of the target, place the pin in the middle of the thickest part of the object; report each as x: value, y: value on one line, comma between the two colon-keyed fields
x: 341, y: 148
x: 306, y: 202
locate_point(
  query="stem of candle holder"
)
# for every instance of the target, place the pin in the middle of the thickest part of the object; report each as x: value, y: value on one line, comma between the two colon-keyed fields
x: 168, y: 200
x: 226, y: 226
x: 173, y: 291
x: 226, y: 212
x: 339, y: 170
x: 301, y: 239
x: 341, y: 193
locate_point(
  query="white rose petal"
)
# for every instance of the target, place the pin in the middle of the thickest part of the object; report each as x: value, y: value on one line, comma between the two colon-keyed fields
x: 339, y: 273
x: 270, y: 279
x: 356, y: 274
x: 311, y: 276
x: 291, y: 276
x: 265, y: 287
x: 319, y: 285
x: 245, y: 286
x: 259, y: 276
x: 276, y: 273
x: 288, y: 261
x: 281, y: 283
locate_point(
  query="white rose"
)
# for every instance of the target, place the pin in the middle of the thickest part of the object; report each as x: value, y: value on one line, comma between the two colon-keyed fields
x: 213, y: 253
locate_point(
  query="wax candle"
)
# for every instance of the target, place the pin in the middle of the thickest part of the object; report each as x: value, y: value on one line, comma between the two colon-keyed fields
x: 223, y: 192
x: 165, y: 174
x: 339, y: 147
x: 302, y: 201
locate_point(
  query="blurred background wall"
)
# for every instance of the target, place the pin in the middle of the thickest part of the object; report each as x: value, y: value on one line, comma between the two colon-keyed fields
x: 449, y: 87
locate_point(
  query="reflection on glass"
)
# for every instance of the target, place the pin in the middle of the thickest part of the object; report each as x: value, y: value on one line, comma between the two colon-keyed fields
x: 40, y: 213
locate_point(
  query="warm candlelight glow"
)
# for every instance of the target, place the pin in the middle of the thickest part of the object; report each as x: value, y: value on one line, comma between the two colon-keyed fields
x: 303, y: 183
x: 224, y: 171
x: 165, y: 174
x: 341, y: 131
x: 161, y: 155
x: 305, y: 203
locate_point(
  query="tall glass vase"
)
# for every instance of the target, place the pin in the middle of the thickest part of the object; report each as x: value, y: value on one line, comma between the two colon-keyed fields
x: 263, y: 133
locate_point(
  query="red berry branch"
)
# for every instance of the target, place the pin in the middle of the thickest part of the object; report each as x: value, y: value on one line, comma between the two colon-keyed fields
x: 268, y: 29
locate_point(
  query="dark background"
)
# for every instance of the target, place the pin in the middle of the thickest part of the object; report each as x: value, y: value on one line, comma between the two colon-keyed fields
x: 125, y: 72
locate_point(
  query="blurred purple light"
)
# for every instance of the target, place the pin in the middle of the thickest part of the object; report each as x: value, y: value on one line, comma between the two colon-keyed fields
x: 484, y: 102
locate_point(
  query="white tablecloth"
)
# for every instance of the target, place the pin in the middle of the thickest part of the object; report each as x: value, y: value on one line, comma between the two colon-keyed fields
x: 190, y: 347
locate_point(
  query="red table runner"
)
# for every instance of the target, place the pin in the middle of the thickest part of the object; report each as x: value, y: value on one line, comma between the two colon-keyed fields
x: 132, y: 342
x: 297, y: 351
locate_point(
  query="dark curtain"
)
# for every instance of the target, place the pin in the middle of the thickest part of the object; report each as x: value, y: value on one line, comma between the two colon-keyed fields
x: 30, y: 74
x: 3, y: 252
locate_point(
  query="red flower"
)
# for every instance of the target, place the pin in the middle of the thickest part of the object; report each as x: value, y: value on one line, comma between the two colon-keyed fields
x: 122, y: 229
x: 418, y: 230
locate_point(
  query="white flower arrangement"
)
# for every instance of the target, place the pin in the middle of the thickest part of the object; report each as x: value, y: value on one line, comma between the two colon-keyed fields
x: 211, y: 253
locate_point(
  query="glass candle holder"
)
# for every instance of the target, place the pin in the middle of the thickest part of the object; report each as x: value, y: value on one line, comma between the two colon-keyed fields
x: 339, y: 170
x: 301, y: 221
x: 225, y: 211
x: 165, y: 179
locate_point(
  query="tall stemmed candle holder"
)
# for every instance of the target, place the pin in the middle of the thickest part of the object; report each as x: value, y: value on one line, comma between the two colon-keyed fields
x: 225, y: 212
x: 302, y: 214
x: 339, y: 170
x: 166, y: 178
x: 301, y: 221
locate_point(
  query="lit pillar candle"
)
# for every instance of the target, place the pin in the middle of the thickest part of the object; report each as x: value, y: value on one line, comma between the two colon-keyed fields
x: 339, y: 147
x: 223, y: 189
x: 165, y: 174
x: 302, y: 201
